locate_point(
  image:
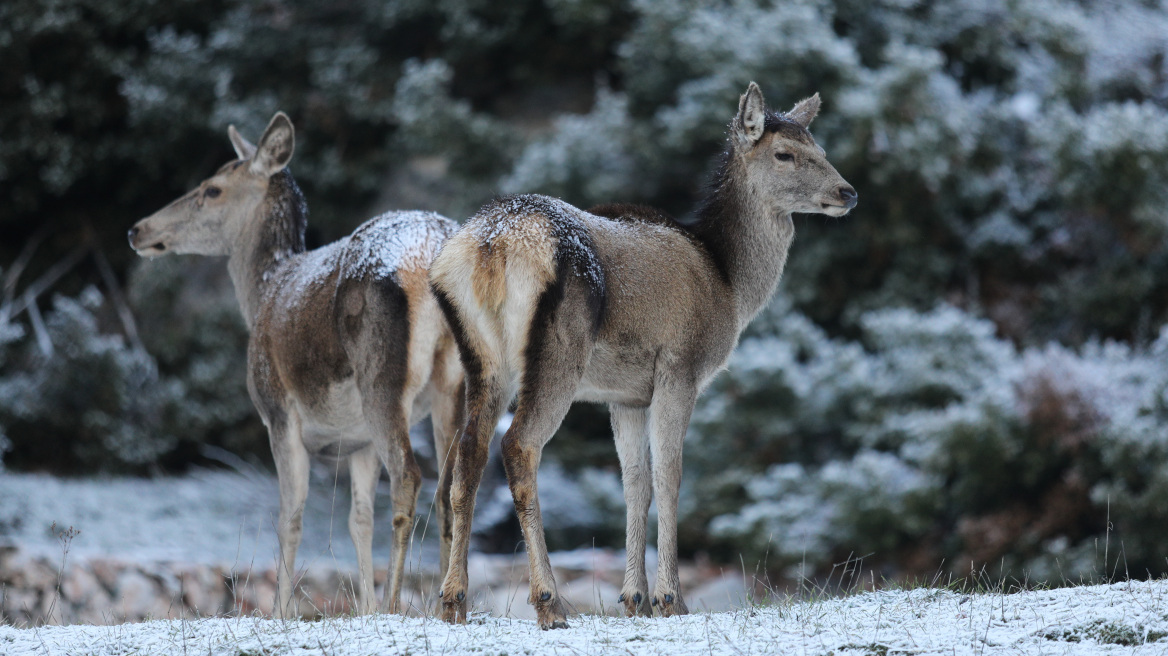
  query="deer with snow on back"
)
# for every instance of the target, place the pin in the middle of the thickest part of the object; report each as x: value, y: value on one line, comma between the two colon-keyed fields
x: 347, y: 344
x: 625, y: 306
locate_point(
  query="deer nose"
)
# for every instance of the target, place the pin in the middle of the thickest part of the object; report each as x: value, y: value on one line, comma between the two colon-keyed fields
x: 848, y: 195
x: 132, y: 234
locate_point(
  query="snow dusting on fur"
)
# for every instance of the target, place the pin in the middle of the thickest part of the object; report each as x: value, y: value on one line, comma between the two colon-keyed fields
x: 513, y: 217
x: 383, y: 244
x: 314, y: 267
x: 376, y: 250
x: 1126, y: 618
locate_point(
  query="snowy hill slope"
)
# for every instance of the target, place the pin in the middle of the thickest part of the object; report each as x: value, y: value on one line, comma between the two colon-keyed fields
x: 1129, y: 618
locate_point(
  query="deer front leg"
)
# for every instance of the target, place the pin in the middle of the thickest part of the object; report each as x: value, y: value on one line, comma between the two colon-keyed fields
x: 632, y: 446
x: 669, y: 416
x: 292, y: 472
x: 364, y: 470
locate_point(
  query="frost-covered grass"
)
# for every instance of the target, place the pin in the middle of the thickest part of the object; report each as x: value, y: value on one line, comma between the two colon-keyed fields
x: 1129, y: 617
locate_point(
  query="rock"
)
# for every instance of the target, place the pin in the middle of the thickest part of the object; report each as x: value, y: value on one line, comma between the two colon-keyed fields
x: 28, y: 573
x: 589, y: 595
x: 79, y: 585
x: 134, y: 595
x: 20, y: 606
x: 722, y: 593
x: 503, y: 601
x: 203, y: 591
x: 107, y: 571
x: 489, y: 570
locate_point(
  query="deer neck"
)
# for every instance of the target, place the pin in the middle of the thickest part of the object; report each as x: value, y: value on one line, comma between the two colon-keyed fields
x: 273, y: 235
x: 748, y: 237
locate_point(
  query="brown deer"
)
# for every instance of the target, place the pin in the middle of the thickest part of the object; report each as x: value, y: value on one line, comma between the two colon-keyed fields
x: 347, y: 345
x: 625, y: 306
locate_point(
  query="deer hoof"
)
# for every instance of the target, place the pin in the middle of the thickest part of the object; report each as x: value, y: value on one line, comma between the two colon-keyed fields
x: 550, y: 613
x: 672, y: 605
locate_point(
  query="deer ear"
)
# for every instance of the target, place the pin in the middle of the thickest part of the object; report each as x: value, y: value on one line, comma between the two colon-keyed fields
x: 748, y: 125
x: 275, y: 148
x: 244, y: 149
x: 805, y: 110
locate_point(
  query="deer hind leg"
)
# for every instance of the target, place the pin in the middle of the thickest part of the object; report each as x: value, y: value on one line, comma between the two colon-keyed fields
x: 559, y: 343
x: 405, y: 481
x: 447, y: 415
x: 629, y: 427
x: 486, y: 398
x: 379, y: 342
x: 292, y: 472
x: 364, y: 470
x: 669, y: 415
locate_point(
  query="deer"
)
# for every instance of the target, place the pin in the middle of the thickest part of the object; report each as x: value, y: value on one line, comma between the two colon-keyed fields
x: 347, y: 346
x: 623, y: 305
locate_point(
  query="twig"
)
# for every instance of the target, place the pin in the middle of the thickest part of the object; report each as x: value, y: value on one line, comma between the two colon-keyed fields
x: 46, y: 280
x: 38, y: 327
x: 18, y: 267
x: 118, y: 298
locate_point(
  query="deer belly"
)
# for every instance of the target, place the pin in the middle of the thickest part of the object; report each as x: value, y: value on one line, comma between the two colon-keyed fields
x: 617, y: 376
x: 333, y: 423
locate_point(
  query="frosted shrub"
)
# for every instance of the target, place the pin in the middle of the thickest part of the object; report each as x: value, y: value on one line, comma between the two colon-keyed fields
x: 589, y: 158
x: 189, y: 320
x: 432, y: 122
x: 98, y: 404
x: 872, y: 503
x: 941, y: 440
x: 95, y: 403
x: 1116, y: 157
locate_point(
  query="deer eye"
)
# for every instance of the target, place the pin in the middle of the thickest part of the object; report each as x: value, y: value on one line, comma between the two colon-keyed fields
x: 212, y: 192
x: 785, y: 157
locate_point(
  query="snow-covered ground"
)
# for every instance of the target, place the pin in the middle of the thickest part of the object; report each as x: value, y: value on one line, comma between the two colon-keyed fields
x: 1128, y: 618
x: 219, y: 517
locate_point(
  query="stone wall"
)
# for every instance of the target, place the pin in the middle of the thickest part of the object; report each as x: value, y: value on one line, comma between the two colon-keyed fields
x: 38, y: 590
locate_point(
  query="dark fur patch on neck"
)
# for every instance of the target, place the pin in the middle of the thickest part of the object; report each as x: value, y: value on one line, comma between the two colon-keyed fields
x: 718, y: 211
x: 632, y: 212
x: 285, y: 216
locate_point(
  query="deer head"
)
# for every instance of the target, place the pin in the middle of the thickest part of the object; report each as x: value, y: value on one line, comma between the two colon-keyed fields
x: 213, y: 217
x: 783, y: 166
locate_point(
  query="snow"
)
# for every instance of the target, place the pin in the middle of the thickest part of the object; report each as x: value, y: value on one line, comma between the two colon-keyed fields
x: 382, y: 244
x: 512, y: 217
x: 1100, y: 619
x: 312, y: 268
x: 207, y: 517
x: 376, y: 249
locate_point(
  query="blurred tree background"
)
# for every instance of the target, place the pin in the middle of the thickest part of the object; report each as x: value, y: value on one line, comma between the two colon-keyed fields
x: 970, y: 369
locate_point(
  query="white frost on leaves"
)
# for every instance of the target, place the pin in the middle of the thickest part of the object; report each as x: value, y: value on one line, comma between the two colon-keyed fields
x: 1123, y: 618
